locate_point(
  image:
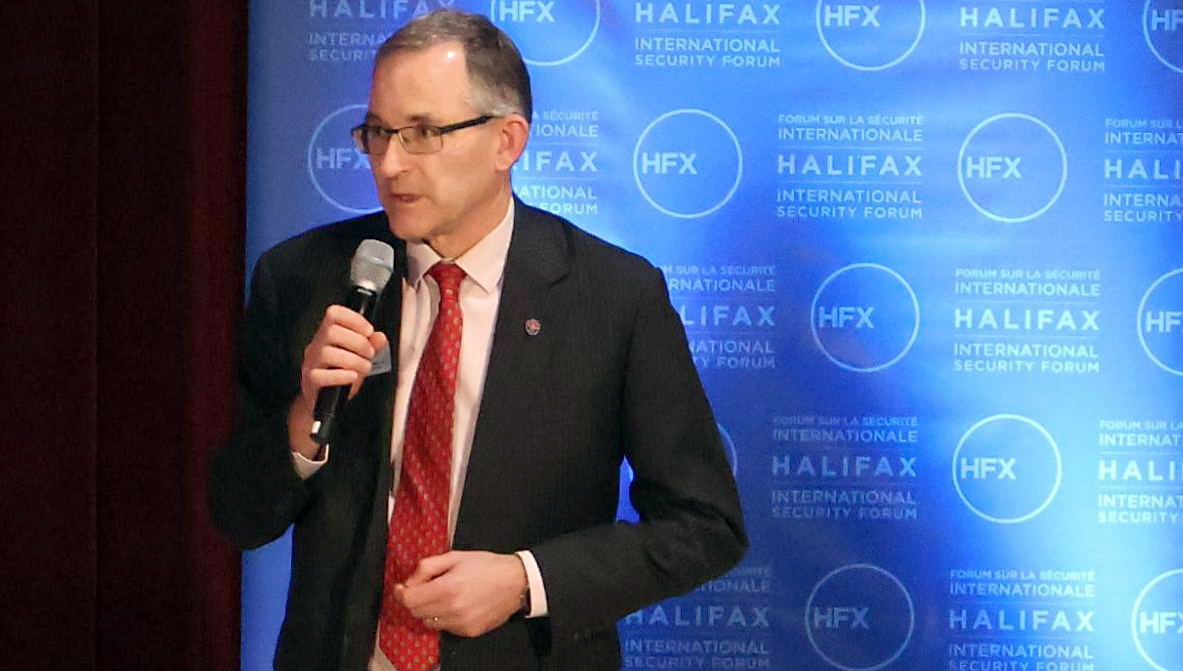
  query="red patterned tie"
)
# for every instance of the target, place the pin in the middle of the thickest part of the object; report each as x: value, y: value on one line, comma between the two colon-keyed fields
x: 419, y: 524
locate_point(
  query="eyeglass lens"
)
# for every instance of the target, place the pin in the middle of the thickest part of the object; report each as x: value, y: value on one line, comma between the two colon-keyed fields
x: 415, y: 139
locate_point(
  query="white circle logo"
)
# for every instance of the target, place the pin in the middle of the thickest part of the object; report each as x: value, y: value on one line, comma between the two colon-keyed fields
x: 549, y: 32
x: 859, y: 617
x: 870, y: 37
x: 687, y: 163
x: 864, y: 317
x: 1160, y: 322
x: 1012, y: 167
x: 339, y: 171
x: 1157, y: 623
x: 1162, y: 27
x: 1007, y: 469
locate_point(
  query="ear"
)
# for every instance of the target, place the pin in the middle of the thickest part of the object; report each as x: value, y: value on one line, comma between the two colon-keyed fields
x: 511, y: 141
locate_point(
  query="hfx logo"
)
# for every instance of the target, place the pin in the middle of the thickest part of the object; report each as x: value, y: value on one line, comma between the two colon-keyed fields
x: 870, y: 36
x: 687, y: 163
x: 1012, y: 167
x: 548, y: 32
x: 1007, y: 469
x: 1157, y: 621
x: 1162, y: 27
x: 864, y: 317
x: 339, y: 171
x: 1160, y: 322
x: 859, y: 617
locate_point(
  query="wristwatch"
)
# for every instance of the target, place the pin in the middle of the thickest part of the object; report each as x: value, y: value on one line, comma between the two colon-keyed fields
x: 524, y: 608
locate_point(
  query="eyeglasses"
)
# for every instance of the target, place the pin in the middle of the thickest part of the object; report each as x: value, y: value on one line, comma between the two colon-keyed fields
x: 417, y: 139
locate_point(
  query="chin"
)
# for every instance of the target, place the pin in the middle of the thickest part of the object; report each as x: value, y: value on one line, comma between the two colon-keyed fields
x: 407, y: 233
x: 406, y: 228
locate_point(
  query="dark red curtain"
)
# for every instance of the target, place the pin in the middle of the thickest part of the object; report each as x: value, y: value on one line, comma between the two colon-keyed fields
x: 124, y: 171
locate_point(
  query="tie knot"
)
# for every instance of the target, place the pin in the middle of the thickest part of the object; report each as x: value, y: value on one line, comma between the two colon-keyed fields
x: 448, y: 276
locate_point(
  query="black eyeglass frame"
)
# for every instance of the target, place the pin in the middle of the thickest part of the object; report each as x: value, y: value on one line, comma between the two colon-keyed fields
x: 359, y: 132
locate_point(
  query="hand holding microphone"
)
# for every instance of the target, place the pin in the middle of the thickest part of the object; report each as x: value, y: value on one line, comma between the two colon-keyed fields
x: 337, y: 359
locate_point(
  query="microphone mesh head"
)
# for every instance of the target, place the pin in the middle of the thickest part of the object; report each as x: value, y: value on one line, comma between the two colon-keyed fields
x: 372, y: 265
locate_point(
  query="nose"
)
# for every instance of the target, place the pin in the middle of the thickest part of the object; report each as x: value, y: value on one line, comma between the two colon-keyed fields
x: 393, y: 161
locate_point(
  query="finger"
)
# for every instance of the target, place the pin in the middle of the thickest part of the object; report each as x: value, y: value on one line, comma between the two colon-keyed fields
x: 339, y: 314
x: 356, y: 386
x: 332, y: 377
x: 335, y: 357
x: 423, y: 601
x: 426, y: 592
x: 430, y: 568
x: 379, y: 341
x: 436, y: 622
x: 338, y: 335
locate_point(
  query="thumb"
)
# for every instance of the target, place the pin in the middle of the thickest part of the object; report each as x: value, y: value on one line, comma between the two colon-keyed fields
x: 379, y: 341
x: 430, y: 568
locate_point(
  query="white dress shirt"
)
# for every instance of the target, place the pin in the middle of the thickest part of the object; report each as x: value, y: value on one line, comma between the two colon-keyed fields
x: 480, y: 294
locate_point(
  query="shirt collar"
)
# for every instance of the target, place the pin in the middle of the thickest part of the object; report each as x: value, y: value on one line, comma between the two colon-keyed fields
x: 484, y: 262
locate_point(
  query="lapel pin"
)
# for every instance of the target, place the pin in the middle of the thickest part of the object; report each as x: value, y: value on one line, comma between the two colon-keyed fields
x: 533, y: 326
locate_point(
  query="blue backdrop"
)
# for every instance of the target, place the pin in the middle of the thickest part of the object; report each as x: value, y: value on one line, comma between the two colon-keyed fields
x: 929, y: 257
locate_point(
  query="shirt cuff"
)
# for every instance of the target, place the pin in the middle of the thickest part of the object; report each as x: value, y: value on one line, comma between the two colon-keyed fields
x: 306, y: 467
x: 534, y: 580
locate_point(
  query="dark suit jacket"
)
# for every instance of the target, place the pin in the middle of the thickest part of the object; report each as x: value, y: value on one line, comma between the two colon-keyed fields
x: 609, y: 376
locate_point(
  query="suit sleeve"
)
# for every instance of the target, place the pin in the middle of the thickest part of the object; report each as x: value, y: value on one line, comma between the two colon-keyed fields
x: 255, y: 492
x: 690, y: 527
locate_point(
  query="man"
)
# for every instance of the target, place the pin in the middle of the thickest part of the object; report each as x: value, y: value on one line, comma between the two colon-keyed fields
x: 463, y: 515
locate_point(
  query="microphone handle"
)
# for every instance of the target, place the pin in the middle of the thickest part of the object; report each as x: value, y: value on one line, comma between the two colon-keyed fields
x: 330, y: 400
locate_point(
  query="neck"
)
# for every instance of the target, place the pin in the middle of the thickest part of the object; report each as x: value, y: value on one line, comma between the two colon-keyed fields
x: 482, y: 222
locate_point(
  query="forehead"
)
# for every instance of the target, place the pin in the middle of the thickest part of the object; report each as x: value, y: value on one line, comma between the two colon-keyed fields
x: 425, y: 83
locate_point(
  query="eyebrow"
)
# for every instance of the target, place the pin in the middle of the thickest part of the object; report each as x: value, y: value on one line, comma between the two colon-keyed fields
x: 415, y: 119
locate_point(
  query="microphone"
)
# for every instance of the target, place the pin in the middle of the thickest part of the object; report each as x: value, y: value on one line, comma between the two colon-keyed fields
x: 371, y: 268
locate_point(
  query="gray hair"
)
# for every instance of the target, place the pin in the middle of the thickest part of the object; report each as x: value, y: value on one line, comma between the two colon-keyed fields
x: 500, y: 83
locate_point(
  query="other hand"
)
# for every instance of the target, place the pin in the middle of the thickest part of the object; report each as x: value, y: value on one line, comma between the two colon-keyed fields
x: 465, y: 593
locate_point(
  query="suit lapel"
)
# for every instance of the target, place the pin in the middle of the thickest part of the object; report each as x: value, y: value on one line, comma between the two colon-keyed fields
x: 538, y: 258
x: 371, y: 415
x: 388, y: 319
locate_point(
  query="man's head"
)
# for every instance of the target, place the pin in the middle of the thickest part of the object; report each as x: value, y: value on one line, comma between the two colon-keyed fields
x: 496, y: 71
x: 446, y: 69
